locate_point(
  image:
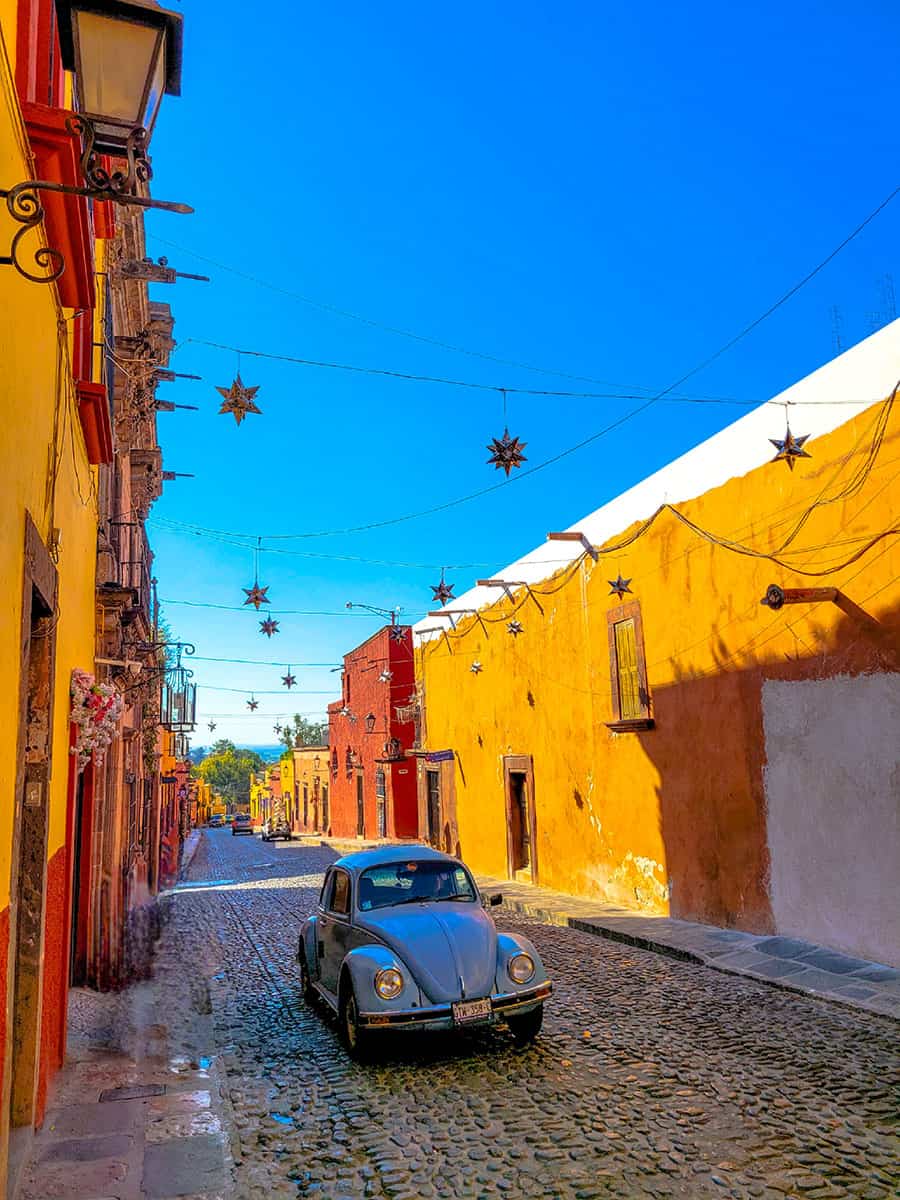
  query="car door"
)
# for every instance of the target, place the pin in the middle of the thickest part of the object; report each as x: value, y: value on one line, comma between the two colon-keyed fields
x: 334, y: 928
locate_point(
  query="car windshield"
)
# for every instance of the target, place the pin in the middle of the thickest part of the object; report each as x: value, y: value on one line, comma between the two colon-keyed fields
x: 414, y: 883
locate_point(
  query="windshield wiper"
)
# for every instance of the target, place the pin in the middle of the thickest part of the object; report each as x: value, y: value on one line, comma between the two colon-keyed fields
x: 440, y: 899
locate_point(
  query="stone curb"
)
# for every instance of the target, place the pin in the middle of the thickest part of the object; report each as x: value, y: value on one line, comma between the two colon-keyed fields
x: 596, y: 928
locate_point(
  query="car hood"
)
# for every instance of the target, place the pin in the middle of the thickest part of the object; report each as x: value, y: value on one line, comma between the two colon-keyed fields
x: 450, y: 948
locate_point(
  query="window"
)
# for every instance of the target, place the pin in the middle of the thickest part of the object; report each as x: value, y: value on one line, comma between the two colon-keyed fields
x: 418, y: 882
x: 628, y: 671
x: 339, y: 900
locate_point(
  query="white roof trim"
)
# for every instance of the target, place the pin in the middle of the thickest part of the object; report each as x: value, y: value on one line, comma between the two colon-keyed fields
x: 866, y: 372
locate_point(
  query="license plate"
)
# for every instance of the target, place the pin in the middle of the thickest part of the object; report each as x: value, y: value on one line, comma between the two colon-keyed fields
x: 471, y: 1010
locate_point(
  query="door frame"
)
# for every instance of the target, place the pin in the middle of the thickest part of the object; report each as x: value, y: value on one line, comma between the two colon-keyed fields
x: 39, y: 575
x: 520, y: 764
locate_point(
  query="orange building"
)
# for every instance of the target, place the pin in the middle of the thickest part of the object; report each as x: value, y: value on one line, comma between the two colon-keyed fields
x: 624, y: 719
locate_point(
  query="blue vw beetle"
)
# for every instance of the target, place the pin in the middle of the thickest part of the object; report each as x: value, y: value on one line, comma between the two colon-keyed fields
x: 401, y: 940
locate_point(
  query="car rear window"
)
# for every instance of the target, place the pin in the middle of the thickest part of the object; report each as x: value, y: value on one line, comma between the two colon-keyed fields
x: 414, y: 882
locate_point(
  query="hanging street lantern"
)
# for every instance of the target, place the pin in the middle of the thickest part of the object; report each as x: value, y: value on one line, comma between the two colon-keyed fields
x: 178, y: 696
x: 370, y: 722
x: 125, y: 55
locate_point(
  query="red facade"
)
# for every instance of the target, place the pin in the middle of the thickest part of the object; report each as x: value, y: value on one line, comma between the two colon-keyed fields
x: 373, y: 783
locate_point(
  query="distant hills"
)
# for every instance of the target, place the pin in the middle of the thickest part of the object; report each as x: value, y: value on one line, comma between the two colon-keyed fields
x: 268, y: 753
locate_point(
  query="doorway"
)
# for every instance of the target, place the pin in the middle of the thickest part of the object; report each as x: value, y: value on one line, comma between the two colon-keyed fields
x: 433, y: 807
x: 521, y: 848
x: 82, y: 823
x: 360, y: 807
x: 29, y: 849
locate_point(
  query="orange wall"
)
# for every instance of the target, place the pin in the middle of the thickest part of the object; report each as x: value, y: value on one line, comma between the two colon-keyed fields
x: 671, y: 819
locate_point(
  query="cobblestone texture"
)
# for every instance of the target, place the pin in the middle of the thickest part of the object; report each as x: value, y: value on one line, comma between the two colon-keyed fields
x: 652, y: 1077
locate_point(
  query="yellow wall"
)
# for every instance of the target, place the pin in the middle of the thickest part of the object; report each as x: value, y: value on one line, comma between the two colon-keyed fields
x: 287, y: 784
x: 627, y: 816
x: 39, y: 434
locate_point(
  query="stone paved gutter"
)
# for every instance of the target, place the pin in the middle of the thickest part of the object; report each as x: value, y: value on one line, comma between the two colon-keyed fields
x: 784, y: 962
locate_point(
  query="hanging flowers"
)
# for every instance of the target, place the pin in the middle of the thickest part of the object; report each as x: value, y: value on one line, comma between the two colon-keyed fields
x: 96, y: 709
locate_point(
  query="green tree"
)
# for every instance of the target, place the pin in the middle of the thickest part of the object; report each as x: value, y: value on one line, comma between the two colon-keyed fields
x: 300, y: 732
x: 227, y: 769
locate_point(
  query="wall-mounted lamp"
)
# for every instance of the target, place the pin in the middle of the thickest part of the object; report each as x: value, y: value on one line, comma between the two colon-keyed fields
x: 125, y: 55
x: 370, y: 722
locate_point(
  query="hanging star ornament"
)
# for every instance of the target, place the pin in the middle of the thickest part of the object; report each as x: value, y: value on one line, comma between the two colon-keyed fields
x: 253, y: 703
x: 268, y: 627
x: 476, y: 667
x: 515, y: 628
x: 385, y: 676
x: 289, y: 680
x: 790, y: 448
x: 276, y: 729
x: 443, y: 591
x: 238, y: 400
x: 506, y: 452
x: 397, y: 633
x: 211, y: 726
x: 256, y: 596
x: 618, y: 586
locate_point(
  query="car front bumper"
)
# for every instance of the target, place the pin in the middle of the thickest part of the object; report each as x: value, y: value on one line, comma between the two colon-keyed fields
x: 440, y: 1016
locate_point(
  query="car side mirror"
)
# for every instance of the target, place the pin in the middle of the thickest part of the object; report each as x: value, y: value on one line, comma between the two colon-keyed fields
x: 493, y: 900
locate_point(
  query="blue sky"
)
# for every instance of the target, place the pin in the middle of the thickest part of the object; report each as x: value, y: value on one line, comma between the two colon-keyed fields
x: 607, y: 191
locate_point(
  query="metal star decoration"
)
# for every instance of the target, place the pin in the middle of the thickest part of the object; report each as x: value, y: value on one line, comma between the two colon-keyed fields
x: 397, y: 633
x: 238, y: 400
x: 268, y: 627
x: 211, y: 726
x: 289, y: 680
x: 443, y: 591
x: 515, y: 628
x: 506, y: 452
x: 385, y: 676
x: 276, y: 729
x: 476, y: 667
x: 618, y: 586
x: 253, y: 703
x: 257, y: 596
x: 790, y: 448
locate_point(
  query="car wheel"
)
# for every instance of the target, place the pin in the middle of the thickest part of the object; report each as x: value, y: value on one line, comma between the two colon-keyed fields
x: 354, y: 1038
x: 308, y: 991
x: 525, y: 1027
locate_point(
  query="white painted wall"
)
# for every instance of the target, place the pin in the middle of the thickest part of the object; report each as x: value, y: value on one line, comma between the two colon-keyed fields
x: 832, y: 784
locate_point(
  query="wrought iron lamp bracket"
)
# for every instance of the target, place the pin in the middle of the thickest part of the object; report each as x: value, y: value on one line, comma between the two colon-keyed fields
x: 23, y: 201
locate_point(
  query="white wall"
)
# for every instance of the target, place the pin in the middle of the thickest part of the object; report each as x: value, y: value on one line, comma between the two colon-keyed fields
x: 832, y: 788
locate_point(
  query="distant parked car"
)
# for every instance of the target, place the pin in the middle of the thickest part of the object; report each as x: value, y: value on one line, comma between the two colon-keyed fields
x: 274, y: 829
x: 229, y: 817
x: 437, y: 964
x: 242, y: 824
x: 216, y: 821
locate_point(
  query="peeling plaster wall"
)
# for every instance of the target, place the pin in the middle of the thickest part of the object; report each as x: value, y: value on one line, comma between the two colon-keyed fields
x: 832, y: 787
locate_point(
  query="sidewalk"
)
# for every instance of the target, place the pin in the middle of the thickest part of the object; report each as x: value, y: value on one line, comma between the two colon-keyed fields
x: 138, y: 1112
x: 784, y: 962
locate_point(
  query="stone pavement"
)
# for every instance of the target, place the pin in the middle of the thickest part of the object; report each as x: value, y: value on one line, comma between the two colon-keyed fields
x: 785, y: 962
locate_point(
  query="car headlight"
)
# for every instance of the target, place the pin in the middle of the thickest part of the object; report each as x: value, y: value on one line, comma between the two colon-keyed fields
x: 520, y: 967
x: 389, y: 983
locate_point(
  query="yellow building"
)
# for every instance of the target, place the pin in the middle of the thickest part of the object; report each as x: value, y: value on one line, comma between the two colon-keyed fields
x: 311, y: 780
x: 625, y: 720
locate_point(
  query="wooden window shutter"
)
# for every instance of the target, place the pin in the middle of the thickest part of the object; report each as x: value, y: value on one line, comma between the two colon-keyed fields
x: 626, y: 663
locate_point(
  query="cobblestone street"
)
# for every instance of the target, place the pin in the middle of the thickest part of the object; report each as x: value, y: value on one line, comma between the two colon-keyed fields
x: 652, y: 1077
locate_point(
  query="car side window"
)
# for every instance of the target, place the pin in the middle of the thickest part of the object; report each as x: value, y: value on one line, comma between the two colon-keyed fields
x: 340, y: 893
x: 326, y: 890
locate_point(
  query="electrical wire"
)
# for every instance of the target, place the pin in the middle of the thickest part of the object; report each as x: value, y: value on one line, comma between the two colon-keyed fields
x: 667, y: 391
x: 281, y: 612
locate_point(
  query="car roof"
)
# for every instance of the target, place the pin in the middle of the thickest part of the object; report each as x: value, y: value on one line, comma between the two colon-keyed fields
x: 381, y: 856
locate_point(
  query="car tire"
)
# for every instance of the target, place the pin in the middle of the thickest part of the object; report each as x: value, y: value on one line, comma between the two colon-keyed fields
x: 306, y: 988
x: 355, y: 1039
x: 525, y: 1027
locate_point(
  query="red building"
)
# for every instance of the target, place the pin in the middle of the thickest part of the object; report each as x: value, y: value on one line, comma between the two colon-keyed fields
x: 373, y: 783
